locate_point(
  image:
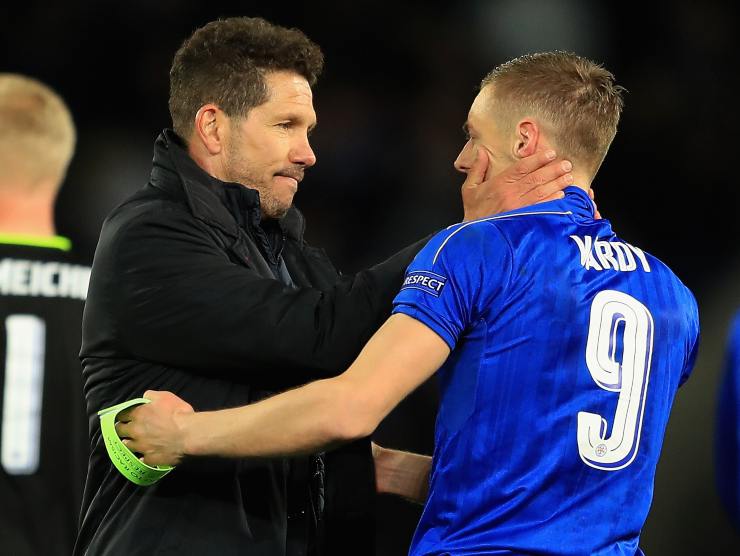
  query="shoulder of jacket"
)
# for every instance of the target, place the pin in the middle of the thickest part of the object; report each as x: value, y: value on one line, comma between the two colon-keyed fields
x: 141, y: 212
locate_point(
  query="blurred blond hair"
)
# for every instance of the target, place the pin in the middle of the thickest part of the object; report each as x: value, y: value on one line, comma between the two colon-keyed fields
x: 37, y: 133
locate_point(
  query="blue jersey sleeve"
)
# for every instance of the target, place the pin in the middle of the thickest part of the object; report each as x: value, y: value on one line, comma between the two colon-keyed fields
x: 727, y: 441
x: 456, y: 279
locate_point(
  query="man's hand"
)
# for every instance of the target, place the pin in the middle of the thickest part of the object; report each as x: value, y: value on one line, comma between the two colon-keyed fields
x: 538, y: 178
x: 404, y: 474
x: 155, y: 430
x: 597, y: 214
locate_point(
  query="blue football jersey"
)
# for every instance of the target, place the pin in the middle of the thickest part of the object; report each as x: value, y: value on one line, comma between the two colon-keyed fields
x: 568, y: 345
x: 727, y: 441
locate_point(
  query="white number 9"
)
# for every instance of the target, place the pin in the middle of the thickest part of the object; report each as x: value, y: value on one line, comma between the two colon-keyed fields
x: 613, y: 314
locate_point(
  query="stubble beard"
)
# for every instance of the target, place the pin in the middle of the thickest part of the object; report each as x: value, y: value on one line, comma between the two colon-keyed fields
x: 239, y: 170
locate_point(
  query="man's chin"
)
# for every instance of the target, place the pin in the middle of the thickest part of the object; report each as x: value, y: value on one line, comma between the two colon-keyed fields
x: 276, y: 213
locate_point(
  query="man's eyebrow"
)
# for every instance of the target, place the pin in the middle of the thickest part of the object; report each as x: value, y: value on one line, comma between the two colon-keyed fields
x: 466, y: 128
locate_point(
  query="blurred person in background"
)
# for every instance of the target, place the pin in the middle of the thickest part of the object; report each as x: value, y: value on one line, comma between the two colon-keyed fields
x: 727, y: 438
x: 42, y: 289
x: 560, y: 349
x: 203, y: 284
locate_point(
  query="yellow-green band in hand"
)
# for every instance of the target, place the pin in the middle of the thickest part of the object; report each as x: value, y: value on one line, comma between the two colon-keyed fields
x: 124, y: 459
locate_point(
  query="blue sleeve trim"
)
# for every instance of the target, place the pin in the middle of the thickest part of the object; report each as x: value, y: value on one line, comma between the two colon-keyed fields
x: 428, y: 319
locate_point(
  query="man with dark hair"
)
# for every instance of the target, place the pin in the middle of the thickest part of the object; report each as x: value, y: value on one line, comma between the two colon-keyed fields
x: 561, y: 349
x: 42, y: 289
x: 202, y: 284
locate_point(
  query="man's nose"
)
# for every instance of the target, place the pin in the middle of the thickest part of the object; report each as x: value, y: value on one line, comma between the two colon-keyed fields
x: 465, y: 159
x: 303, y: 154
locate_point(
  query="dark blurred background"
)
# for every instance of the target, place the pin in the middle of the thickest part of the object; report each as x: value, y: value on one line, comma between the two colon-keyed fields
x: 399, y: 79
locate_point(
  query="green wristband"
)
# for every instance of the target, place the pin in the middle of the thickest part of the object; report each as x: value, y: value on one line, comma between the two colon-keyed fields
x: 124, y: 459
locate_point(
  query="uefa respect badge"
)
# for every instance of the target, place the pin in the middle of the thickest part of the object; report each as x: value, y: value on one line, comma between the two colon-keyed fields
x: 124, y: 459
x: 426, y: 281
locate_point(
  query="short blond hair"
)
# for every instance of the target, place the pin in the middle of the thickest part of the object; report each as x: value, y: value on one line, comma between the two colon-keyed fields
x: 37, y: 133
x: 576, y: 98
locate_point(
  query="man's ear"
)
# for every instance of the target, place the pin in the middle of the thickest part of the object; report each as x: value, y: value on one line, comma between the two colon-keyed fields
x: 210, y: 128
x: 527, y: 138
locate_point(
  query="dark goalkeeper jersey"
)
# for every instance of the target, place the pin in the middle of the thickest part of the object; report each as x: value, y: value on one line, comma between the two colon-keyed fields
x: 43, y: 428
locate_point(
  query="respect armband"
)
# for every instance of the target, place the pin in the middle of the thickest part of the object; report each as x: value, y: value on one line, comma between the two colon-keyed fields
x: 124, y: 459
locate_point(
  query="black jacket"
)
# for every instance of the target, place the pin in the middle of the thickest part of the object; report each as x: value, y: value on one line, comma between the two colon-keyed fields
x: 191, y: 293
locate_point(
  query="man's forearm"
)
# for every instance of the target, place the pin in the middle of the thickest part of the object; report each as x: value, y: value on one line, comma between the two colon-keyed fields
x: 404, y: 474
x: 301, y: 421
x: 401, y: 355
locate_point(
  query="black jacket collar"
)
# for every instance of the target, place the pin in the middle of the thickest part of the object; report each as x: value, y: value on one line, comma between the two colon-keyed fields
x: 226, y: 206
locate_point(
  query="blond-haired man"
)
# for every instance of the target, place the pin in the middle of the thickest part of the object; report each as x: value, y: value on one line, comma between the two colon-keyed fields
x: 42, y: 289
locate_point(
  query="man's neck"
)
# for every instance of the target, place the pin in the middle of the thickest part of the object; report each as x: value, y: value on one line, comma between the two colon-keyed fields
x: 211, y: 165
x: 582, y: 181
x: 27, y: 215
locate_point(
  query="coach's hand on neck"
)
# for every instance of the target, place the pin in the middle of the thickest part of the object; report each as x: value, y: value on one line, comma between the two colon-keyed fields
x: 534, y: 179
